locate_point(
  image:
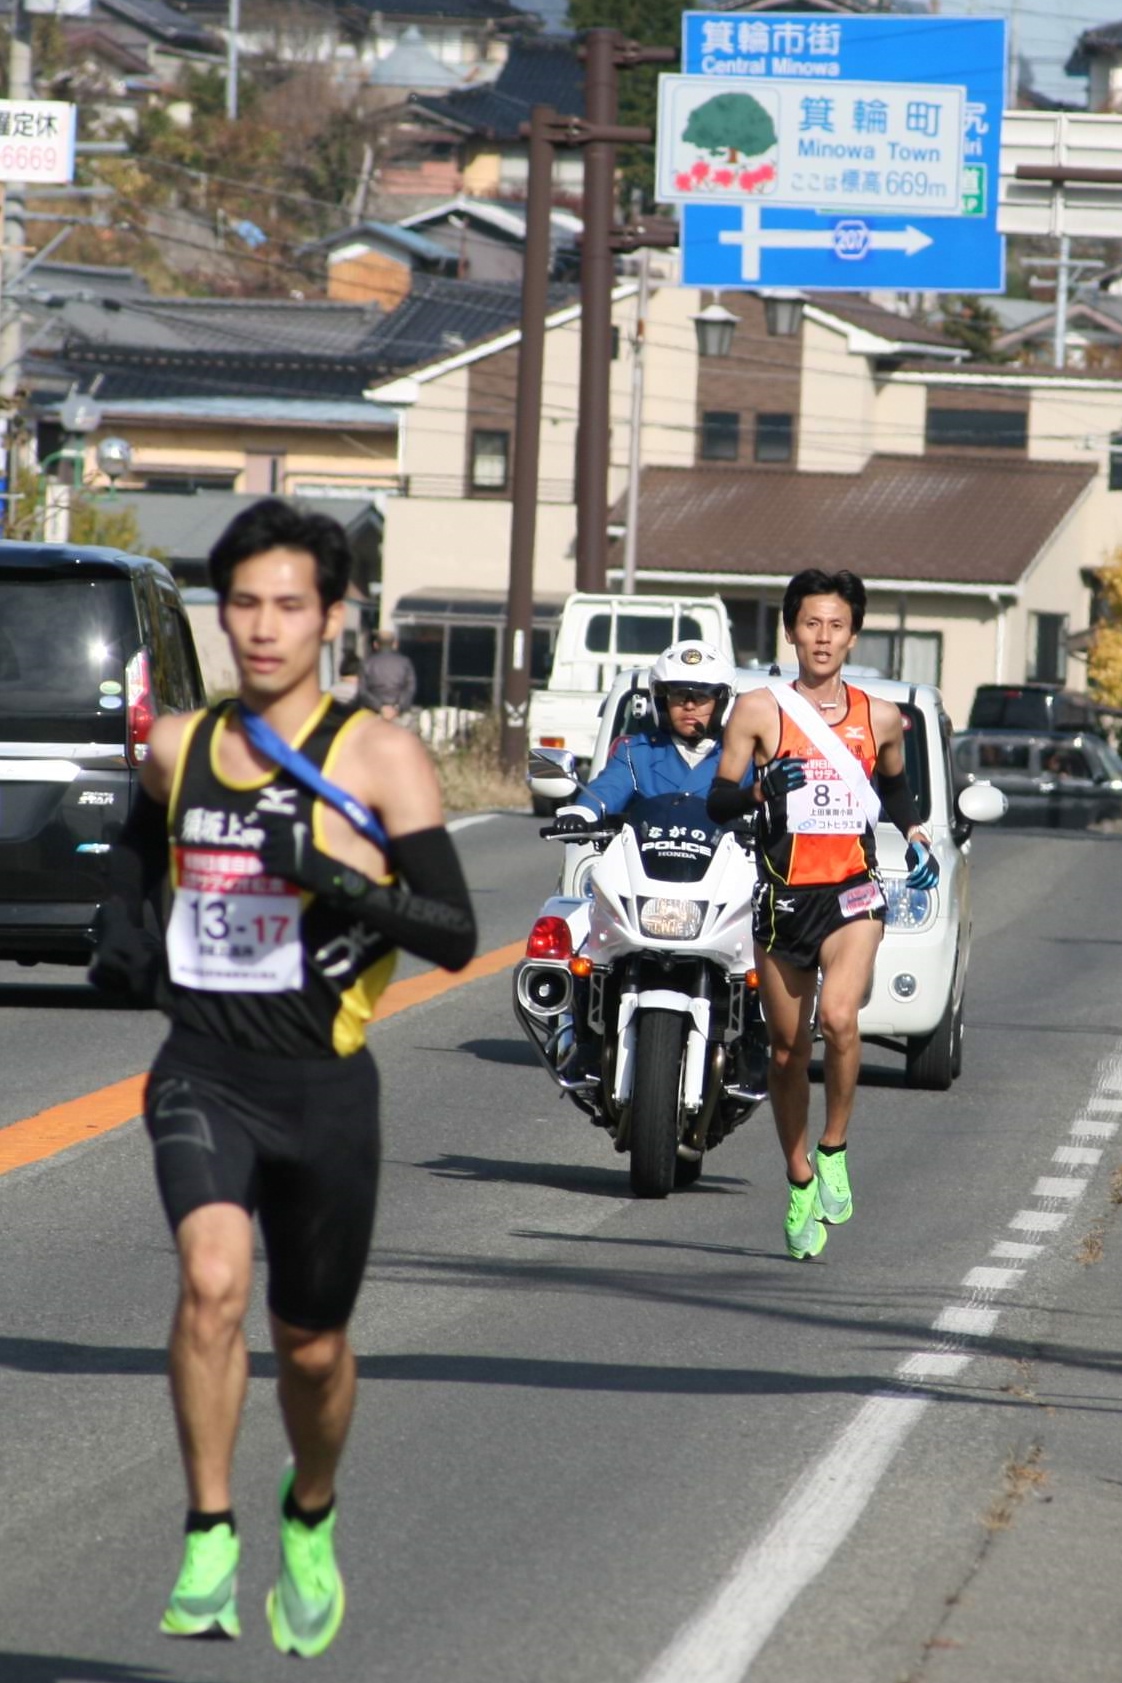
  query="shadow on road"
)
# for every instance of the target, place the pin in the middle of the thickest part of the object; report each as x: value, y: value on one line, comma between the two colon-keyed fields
x: 578, y: 1177
x: 67, y: 1668
x: 57, y: 996
x: 518, y: 1052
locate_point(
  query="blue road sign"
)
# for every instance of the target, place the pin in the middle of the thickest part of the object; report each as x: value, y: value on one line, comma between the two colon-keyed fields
x: 753, y: 245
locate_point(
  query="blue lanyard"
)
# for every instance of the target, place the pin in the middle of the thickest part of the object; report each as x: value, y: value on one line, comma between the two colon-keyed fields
x: 266, y: 740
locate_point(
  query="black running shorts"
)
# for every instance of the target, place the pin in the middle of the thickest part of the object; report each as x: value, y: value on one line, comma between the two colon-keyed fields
x: 292, y: 1140
x: 792, y: 923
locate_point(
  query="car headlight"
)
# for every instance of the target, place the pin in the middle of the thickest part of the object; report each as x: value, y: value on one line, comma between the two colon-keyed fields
x: 671, y: 920
x: 908, y: 908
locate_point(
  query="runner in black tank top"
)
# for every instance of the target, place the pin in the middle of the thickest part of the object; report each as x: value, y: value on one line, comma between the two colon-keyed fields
x: 263, y: 1101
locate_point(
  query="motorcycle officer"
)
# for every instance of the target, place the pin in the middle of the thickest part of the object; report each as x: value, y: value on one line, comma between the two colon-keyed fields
x: 692, y: 689
x: 692, y: 686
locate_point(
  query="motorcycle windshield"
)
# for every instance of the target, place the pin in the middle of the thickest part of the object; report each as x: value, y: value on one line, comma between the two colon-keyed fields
x: 676, y: 836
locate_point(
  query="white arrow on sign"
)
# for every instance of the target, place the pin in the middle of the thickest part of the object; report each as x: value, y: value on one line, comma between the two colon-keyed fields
x: 851, y: 239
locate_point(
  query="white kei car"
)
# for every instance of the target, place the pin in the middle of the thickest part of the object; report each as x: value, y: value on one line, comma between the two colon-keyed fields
x: 916, y: 1002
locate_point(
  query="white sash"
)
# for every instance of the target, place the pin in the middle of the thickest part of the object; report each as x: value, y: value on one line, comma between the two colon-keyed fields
x: 847, y: 765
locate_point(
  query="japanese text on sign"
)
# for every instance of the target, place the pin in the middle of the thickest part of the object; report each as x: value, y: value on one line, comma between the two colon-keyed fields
x: 36, y: 140
x: 857, y: 146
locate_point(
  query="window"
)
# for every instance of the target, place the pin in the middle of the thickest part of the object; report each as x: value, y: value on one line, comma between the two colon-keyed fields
x: 490, y: 460
x: 1003, y: 756
x: 186, y: 484
x: 915, y: 657
x: 1065, y: 762
x: 638, y: 634
x: 972, y: 429
x: 775, y: 436
x: 1114, y: 480
x: 1047, y: 648
x: 720, y: 435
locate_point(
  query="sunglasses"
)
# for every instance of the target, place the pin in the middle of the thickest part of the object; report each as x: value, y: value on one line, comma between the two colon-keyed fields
x: 683, y: 697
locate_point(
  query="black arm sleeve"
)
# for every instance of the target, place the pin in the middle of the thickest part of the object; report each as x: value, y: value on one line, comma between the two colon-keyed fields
x: 138, y: 861
x: 898, y: 802
x: 728, y: 800
x: 429, y: 912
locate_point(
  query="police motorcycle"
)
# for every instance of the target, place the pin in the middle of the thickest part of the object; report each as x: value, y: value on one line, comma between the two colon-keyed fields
x: 639, y: 996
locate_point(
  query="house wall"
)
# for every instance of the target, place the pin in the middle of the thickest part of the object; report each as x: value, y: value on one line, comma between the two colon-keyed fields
x: 436, y: 544
x: 761, y: 374
x: 968, y: 627
x: 434, y: 437
x: 352, y: 458
x: 898, y: 418
x: 670, y: 375
x: 838, y: 403
x: 359, y: 275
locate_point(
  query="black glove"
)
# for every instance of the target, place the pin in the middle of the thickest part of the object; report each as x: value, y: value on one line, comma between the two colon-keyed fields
x: 572, y: 823
x: 127, y: 961
x: 779, y: 777
x: 288, y: 851
x: 923, y: 867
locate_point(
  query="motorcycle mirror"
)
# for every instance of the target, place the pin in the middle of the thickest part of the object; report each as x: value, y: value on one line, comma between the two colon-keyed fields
x: 552, y: 765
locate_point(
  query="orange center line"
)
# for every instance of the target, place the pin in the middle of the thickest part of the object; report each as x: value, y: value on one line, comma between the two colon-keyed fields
x: 48, y: 1132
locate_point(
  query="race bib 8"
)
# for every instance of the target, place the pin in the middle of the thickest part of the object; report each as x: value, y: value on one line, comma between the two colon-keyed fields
x: 232, y: 929
x: 825, y: 805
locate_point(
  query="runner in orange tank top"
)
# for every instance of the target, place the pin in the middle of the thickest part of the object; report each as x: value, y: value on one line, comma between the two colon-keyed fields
x: 818, y: 903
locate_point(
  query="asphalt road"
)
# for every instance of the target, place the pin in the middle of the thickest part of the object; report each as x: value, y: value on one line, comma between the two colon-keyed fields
x: 602, y: 1441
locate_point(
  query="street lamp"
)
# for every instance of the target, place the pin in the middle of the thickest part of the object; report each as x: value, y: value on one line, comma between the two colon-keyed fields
x: 714, y: 327
x: 783, y: 313
x: 114, y: 457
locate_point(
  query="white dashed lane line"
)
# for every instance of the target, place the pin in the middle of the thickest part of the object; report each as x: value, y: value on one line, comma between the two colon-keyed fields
x: 719, y: 1644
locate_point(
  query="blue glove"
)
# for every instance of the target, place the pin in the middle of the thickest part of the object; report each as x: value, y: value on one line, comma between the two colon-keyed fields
x: 923, y: 867
x: 779, y: 777
x: 572, y: 823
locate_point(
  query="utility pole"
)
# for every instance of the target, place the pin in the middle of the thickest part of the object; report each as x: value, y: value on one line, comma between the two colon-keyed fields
x: 1056, y: 176
x: 545, y: 131
x: 233, y: 24
x: 527, y: 441
x: 605, y: 53
x: 635, y: 440
x: 11, y: 262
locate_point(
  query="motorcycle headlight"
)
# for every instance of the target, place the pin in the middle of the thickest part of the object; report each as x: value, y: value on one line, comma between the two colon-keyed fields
x: 671, y: 920
x: 907, y: 908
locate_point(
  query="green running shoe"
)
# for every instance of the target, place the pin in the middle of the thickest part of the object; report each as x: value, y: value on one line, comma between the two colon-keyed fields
x: 806, y: 1235
x: 305, y: 1606
x: 831, y: 1178
x: 203, y: 1602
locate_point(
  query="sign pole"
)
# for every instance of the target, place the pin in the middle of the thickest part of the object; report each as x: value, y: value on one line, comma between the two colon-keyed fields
x: 1060, y: 348
x: 527, y: 444
x: 12, y: 245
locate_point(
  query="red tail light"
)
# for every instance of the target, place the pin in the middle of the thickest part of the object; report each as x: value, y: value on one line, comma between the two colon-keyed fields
x: 140, y: 707
x: 550, y: 938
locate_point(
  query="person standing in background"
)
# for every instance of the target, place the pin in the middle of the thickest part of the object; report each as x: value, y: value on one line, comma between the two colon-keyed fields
x: 389, y: 681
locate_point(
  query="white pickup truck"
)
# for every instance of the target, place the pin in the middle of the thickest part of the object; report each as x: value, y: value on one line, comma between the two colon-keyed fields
x: 600, y: 635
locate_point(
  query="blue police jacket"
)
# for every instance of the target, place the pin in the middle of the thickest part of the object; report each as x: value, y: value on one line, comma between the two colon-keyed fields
x: 651, y: 765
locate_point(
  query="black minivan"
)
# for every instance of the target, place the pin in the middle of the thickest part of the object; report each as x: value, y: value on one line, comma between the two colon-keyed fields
x: 94, y: 645
x: 1032, y: 706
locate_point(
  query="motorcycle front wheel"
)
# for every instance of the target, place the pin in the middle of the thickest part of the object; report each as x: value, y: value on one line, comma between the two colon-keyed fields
x: 654, y: 1103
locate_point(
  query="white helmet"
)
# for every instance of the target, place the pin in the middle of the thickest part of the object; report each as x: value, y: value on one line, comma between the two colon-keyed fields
x: 694, y: 665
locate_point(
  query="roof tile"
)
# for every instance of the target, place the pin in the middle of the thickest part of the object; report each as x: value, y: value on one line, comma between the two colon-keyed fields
x: 947, y: 519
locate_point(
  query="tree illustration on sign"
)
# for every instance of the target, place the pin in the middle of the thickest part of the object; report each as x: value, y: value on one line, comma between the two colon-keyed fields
x: 734, y: 123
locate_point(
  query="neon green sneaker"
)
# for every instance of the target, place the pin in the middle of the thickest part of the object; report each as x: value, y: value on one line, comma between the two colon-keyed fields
x: 831, y: 1179
x: 806, y: 1235
x: 203, y: 1602
x: 305, y: 1606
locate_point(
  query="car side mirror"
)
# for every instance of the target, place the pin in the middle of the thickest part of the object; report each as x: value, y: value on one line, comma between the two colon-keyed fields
x: 979, y: 803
